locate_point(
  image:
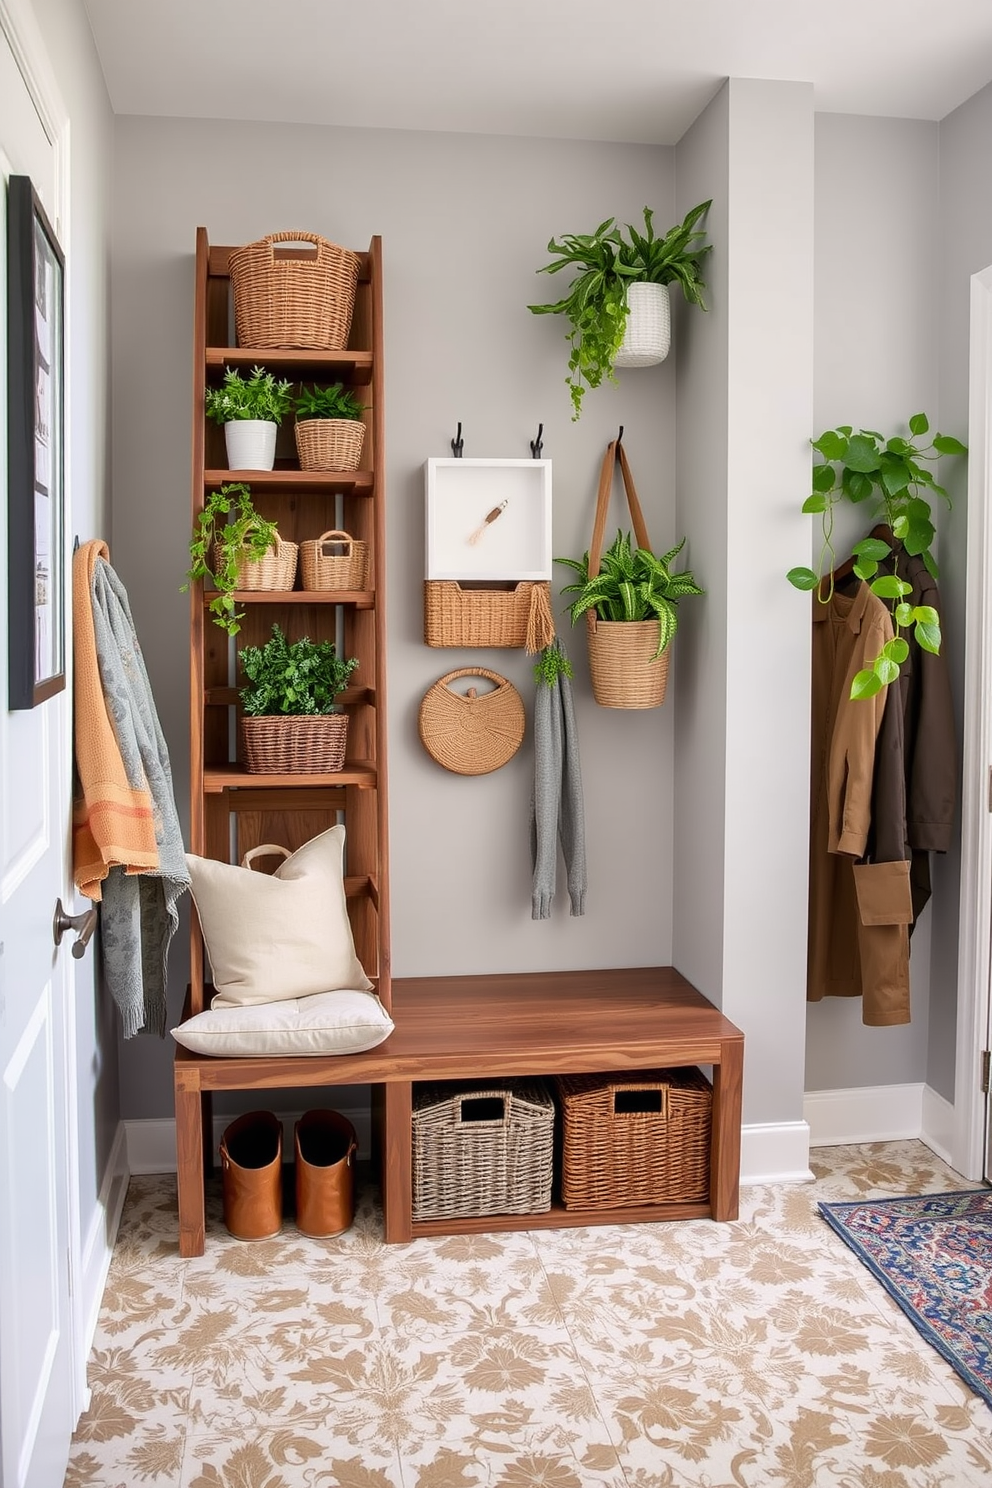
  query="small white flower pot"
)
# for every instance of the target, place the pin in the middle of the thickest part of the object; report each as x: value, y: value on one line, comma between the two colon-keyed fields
x: 649, y: 326
x: 251, y: 444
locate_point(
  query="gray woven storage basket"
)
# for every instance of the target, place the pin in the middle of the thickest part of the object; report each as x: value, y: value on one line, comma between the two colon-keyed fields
x: 483, y: 1148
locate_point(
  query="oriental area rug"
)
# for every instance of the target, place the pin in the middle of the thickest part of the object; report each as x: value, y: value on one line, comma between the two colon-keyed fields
x: 933, y: 1255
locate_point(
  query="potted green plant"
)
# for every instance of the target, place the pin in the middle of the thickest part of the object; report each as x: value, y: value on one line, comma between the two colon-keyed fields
x: 329, y: 428
x: 233, y: 548
x: 631, y: 603
x: 292, y: 723
x: 891, y: 475
x: 251, y: 409
x: 617, y: 306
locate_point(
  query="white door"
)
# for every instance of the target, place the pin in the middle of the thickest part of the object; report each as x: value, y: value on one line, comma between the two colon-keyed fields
x: 37, y: 1412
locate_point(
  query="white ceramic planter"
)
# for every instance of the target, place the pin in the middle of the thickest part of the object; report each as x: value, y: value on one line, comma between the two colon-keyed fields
x: 251, y: 444
x: 649, y: 326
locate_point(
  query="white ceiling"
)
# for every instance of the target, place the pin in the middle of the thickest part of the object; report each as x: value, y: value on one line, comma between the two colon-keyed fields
x: 635, y: 70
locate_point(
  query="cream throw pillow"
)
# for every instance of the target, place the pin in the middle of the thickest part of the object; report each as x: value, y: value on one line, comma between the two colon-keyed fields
x: 328, y: 1023
x: 282, y: 935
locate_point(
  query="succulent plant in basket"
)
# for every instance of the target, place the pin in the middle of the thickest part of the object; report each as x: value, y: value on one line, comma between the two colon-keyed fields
x: 292, y: 721
x: 329, y: 428
x: 250, y: 409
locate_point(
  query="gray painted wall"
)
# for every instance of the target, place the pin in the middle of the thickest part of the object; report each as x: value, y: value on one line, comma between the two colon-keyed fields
x: 465, y: 221
x: 69, y: 44
x: 875, y: 365
x: 964, y: 222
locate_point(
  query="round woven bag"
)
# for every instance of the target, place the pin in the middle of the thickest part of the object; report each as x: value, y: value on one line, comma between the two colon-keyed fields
x: 472, y: 733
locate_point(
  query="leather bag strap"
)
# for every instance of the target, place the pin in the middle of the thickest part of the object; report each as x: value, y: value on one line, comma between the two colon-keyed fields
x: 614, y: 452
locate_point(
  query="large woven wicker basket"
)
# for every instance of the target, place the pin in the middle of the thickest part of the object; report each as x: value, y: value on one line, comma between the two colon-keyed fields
x: 635, y: 1139
x: 295, y: 301
x: 623, y: 667
x: 307, y: 745
x: 275, y: 570
x: 454, y: 616
x: 334, y: 560
x: 329, y: 444
x: 482, y: 1149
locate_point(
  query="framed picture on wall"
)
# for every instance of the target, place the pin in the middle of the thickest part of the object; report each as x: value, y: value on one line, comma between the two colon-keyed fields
x: 35, y: 437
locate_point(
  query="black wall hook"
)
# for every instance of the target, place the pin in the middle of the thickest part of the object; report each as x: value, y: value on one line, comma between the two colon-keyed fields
x: 537, y: 445
x: 620, y: 435
x: 458, y: 443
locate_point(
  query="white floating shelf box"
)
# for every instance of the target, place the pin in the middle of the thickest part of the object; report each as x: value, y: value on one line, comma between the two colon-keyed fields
x: 515, y: 546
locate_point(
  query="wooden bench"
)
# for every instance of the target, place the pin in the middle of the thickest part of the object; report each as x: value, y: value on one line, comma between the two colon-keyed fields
x: 476, y: 1027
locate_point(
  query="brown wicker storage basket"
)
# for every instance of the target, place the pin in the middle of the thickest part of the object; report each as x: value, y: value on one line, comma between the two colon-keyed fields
x: 521, y: 616
x: 622, y: 663
x: 295, y: 302
x: 329, y: 444
x: 482, y: 1149
x: 635, y: 1138
x: 306, y: 745
x: 324, y: 568
x: 276, y: 570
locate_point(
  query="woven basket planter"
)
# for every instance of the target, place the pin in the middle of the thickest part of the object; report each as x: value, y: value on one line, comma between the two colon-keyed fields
x: 648, y: 333
x: 275, y: 570
x: 521, y: 616
x: 329, y: 444
x: 334, y: 561
x: 294, y: 302
x: 622, y: 664
x: 485, y: 1149
x: 635, y: 1139
x: 307, y: 745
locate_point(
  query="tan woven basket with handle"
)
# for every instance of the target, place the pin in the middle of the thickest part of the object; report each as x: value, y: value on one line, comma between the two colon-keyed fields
x: 275, y: 570
x: 472, y: 733
x: 623, y: 666
x: 521, y: 616
x: 334, y: 561
x: 329, y: 444
x: 482, y: 1149
x: 635, y: 1139
x: 311, y: 744
x: 296, y: 301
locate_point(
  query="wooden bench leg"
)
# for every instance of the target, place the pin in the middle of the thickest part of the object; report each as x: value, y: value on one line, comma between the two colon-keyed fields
x: 725, y: 1138
x: 189, y: 1167
x: 397, y: 1162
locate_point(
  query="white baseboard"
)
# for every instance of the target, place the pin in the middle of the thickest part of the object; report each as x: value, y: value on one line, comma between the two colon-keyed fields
x: 870, y: 1113
x: 938, y: 1124
x: 775, y: 1152
x: 151, y: 1145
x: 98, y: 1246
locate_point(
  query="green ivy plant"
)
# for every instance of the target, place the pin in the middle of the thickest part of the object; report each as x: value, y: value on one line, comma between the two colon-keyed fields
x: 293, y: 677
x: 334, y: 402
x: 893, y: 476
x: 230, y: 521
x: 552, y: 664
x: 596, y: 303
x: 632, y: 584
x: 258, y: 396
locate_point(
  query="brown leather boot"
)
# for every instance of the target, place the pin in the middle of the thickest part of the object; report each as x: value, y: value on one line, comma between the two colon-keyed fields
x: 251, y: 1172
x: 325, y: 1174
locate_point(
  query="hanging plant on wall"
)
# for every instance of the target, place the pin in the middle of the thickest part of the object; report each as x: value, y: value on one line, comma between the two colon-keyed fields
x: 893, y: 476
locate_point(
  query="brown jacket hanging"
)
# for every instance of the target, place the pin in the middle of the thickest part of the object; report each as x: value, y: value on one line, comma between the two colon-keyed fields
x: 847, y: 633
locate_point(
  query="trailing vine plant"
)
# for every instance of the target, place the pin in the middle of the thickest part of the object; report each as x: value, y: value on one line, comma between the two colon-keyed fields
x: 893, y: 474
x: 227, y: 531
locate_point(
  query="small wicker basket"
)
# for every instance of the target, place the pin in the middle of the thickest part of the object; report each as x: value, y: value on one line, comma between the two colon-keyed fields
x: 472, y: 733
x: 306, y: 745
x: 293, y: 301
x: 329, y: 444
x: 623, y: 667
x: 635, y: 1139
x: 482, y: 1149
x: 520, y: 616
x: 324, y: 568
x: 275, y: 570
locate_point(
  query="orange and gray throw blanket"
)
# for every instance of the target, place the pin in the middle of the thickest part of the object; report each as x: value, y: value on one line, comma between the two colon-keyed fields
x: 127, y: 845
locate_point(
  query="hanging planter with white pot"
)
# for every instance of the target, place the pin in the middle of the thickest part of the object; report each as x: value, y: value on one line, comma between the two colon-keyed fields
x: 251, y: 444
x: 648, y: 333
